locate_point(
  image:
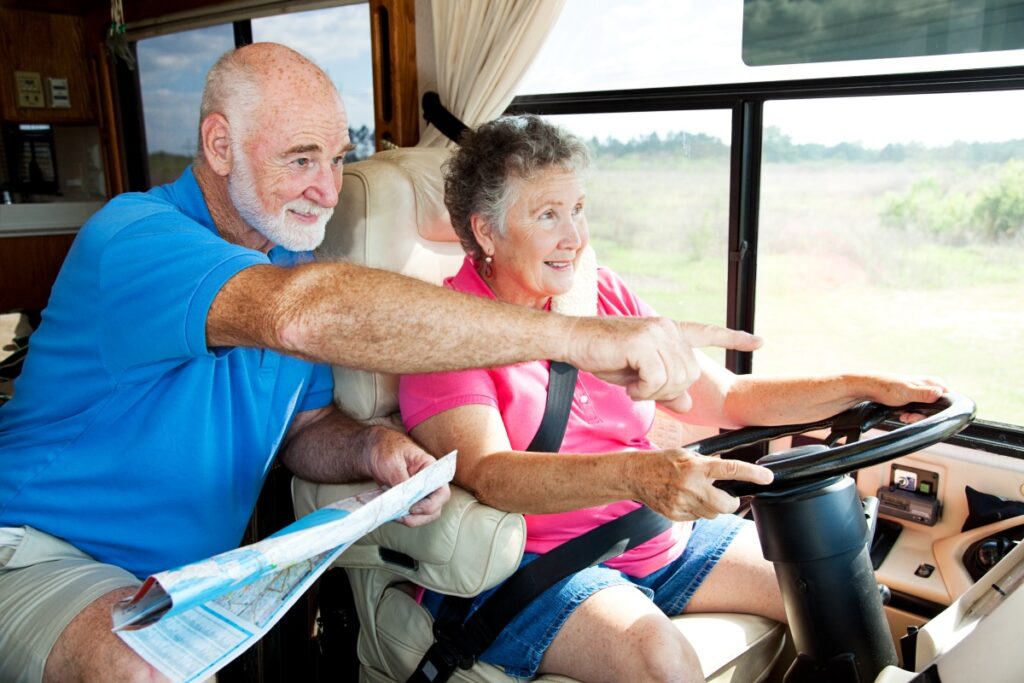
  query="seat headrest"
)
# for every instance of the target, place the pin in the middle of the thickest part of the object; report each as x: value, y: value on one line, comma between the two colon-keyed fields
x: 390, y: 215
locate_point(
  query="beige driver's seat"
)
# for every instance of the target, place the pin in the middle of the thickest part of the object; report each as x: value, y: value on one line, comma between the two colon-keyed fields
x: 391, y: 215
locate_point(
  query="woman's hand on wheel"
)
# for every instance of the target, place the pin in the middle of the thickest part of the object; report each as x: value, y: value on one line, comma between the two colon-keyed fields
x: 679, y: 484
x: 898, y: 390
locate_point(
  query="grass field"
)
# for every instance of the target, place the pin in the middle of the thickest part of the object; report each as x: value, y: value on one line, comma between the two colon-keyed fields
x: 836, y: 290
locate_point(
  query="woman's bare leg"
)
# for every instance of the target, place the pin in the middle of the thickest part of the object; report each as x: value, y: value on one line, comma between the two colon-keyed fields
x: 742, y: 581
x: 618, y: 634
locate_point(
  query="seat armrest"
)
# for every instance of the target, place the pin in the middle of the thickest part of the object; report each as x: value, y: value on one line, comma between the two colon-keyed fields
x: 471, y: 547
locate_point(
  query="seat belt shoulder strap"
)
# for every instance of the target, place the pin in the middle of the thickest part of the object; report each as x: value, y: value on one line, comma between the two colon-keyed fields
x: 458, y: 641
x: 561, y: 388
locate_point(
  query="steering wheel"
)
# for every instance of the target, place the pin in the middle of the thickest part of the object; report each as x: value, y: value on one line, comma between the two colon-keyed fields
x: 806, y: 464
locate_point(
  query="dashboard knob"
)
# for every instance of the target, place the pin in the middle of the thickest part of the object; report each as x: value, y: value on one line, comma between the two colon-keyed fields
x: 991, y: 551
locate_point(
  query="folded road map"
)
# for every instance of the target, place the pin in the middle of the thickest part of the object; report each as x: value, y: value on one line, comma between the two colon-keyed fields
x: 191, y: 621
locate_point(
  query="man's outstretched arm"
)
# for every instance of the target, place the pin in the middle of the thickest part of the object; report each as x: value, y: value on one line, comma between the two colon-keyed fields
x: 372, y: 319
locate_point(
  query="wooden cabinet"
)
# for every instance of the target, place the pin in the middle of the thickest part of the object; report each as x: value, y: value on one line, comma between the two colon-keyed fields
x: 28, y: 267
x: 54, y: 46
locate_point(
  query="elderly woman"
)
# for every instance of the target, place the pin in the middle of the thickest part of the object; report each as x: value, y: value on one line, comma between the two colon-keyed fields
x: 516, y: 198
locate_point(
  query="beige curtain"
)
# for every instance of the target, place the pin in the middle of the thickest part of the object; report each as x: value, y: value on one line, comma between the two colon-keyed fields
x: 483, y: 48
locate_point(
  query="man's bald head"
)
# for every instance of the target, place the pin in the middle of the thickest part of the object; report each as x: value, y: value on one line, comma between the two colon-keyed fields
x: 272, y: 143
x: 262, y: 78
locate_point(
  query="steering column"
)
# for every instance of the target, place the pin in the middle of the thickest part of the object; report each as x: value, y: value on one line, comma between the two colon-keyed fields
x: 813, y: 527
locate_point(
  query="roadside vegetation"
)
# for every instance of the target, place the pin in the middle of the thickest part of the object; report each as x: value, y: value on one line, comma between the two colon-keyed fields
x: 904, y: 259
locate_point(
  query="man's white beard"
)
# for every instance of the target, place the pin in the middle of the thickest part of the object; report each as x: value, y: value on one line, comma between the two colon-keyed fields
x: 281, y: 229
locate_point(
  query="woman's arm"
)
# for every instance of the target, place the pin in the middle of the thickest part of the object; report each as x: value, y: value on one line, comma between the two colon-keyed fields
x: 725, y: 399
x: 675, y: 483
x: 787, y: 400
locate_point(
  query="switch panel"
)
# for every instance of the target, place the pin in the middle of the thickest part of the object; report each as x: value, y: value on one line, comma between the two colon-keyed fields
x: 57, y: 93
x: 30, y: 89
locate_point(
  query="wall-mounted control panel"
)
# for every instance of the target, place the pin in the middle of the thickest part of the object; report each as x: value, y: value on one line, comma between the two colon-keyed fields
x: 29, y: 85
x: 35, y: 92
x: 57, y: 95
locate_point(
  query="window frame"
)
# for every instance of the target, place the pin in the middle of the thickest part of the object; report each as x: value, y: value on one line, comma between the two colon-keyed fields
x: 131, y: 114
x: 392, y: 30
x: 746, y: 102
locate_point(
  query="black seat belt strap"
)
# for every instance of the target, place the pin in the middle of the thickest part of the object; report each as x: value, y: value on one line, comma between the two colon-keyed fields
x: 458, y: 641
x: 597, y: 545
x: 458, y: 644
x: 447, y: 651
x: 561, y: 387
x: 436, y: 113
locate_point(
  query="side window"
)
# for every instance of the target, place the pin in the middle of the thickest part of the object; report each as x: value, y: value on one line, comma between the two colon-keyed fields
x: 173, y: 67
x: 338, y: 40
x: 878, y: 233
x: 616, y: 45
x: 658, y: 206
x: 891, y: 238
x: 172, y: 70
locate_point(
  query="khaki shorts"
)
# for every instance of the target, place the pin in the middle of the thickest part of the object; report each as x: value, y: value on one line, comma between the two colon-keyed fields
x: 44, y: 583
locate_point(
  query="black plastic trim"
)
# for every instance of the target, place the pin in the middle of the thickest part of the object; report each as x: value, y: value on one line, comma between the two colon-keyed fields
x: 727, y: 96
x: 243, y: 32
x: 132, y: 125
x: 929, y: 675
x: 915, y: 605
x: 398, y: 558
x: 992, y: 437
x: 744, y: 209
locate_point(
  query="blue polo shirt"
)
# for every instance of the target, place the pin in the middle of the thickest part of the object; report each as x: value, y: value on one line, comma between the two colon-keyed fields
x: 127, y: 436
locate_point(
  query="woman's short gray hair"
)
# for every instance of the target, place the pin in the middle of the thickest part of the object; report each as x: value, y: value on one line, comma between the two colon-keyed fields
x: 476, y: 177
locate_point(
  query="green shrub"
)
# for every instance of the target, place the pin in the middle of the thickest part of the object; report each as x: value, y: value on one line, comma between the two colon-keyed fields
x: 993, y: 213
x: 999, y: 211
x: 930, y: 209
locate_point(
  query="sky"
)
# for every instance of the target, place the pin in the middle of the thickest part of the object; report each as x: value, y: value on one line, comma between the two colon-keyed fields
x: 172, y: 68
x: 606, y: 44
x: 594, y: 46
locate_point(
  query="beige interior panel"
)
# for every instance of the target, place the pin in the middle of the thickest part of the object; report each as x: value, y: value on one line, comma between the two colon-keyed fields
x: 943, y: 545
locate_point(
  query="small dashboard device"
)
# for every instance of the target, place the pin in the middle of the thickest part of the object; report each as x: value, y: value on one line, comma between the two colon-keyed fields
x: 912, y: 494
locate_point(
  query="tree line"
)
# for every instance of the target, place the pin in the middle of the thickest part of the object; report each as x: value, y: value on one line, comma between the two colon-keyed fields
x: 779, y: 147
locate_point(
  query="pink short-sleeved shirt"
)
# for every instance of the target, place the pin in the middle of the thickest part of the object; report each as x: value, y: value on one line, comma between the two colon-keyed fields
x: 603, y: 419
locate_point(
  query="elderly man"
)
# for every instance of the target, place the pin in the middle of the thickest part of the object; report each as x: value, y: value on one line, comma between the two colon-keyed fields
x: 185, y: 346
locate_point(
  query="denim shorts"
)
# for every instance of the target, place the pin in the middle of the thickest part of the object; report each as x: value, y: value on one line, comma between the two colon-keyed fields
x: 521, y: 645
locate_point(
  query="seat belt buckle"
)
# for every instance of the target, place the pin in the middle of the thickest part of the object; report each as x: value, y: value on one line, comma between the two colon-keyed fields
x: 441, y: 659
x: 436, y: 666
x: 451, y: 641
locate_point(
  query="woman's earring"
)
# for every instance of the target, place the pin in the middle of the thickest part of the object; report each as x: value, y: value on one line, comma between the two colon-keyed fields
x: 488, y: 270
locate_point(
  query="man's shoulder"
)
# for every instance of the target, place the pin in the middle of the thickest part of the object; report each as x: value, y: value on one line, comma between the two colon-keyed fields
x: 135, y: 211
x: 131, y: 206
